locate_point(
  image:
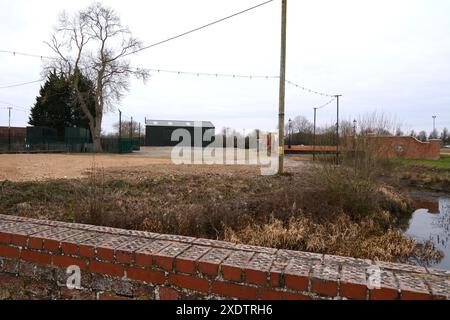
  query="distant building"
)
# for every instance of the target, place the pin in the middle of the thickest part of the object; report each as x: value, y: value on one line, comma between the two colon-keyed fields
x: 12, y: 137
x: 158, y: 133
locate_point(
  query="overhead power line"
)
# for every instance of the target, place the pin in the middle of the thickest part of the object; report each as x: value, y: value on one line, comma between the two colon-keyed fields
x: 198, y: 28
x: 23, y: 109
x: 21, y: 84
x: 13, y: 108
x: 16, y: 53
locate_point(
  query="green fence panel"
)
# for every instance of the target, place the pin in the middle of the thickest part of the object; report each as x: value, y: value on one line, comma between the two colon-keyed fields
x: 116, y: 145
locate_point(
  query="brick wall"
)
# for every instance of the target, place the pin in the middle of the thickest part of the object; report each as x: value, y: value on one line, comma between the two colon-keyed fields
x: 15, y: 132
x: 408, y: 148
x: 123, y: 264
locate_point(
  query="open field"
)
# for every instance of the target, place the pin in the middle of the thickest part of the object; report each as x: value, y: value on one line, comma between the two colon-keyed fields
x: 31, y: 167
x: 35, y: 167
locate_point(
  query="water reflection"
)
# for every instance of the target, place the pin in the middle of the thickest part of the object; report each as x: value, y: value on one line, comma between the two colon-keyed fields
x: 433, y: 223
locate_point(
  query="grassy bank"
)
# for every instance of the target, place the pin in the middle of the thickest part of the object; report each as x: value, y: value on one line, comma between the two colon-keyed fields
x: 426, y: 174
x: 443, y: 163
x: 315, y: 210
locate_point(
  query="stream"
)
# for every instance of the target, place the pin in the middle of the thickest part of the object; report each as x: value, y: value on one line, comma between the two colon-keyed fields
x: 432, y: 222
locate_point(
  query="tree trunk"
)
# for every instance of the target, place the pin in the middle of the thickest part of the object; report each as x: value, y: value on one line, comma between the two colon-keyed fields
x: 97, y: 141
x: 96, y: 134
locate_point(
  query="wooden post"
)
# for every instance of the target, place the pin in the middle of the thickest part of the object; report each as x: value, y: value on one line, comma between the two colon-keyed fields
x: 282, y: 88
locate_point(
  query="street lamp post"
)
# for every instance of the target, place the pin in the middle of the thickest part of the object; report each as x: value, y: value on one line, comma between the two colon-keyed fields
x: 337, y: 128
x: 434, y: 124
x: 290, y: 133
x: 9, y: 128
x: 315, y: 139
x: 354, y: 144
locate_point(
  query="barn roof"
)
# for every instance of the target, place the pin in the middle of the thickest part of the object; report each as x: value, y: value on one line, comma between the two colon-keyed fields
x: 179, y: 123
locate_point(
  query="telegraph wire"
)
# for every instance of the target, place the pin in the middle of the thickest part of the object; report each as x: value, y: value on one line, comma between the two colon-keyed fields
x: 21, y: 84
x: 17, y: 53
x: 197, y: 29
x: 14, y: 106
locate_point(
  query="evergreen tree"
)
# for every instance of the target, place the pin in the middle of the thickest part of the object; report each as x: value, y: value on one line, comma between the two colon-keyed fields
x: 422, y: 136
x: 57, y: 106
x: 445, y: 137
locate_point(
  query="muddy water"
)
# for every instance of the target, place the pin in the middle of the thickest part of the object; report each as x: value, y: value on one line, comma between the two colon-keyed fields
x: 432, y: 222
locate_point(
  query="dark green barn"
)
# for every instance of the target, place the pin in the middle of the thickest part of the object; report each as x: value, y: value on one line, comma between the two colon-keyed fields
x: 158, y: 133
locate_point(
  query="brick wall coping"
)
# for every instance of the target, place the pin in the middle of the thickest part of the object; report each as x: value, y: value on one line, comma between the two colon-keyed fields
x: 405, y: 137
x: 177, y: 265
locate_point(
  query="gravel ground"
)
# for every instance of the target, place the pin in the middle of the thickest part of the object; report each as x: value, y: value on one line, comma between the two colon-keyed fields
x: 36, y: 167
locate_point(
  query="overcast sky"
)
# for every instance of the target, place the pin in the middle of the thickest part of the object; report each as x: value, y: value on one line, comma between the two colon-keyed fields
x: 384, y: 55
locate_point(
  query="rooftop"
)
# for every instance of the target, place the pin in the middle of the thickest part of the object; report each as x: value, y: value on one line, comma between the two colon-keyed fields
x: 179, y: 123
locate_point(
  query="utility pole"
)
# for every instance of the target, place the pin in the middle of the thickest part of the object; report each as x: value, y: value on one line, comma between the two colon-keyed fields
x: 315, y: 140
x: 354, y: 144
x: 282, y: 87
x: 9, y: 128
x: 337, y: 130
x: 120, y: 124
x: 139, y: 134
x: 131, y: 128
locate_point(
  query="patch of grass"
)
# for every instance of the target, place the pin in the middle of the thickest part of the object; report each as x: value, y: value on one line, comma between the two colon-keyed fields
x: 443, y: 163
x: 426, y: 174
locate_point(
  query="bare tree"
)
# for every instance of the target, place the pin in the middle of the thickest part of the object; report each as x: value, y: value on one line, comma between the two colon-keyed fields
x: 399, y: 132
x: 94, y: 43
x: 301, y: 124
x: 376, y: 123
x: 434, y: 134
x: 127, y: 129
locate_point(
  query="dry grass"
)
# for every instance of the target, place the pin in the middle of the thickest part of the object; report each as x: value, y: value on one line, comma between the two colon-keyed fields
x: 340, y: 237
x: 296, y: 211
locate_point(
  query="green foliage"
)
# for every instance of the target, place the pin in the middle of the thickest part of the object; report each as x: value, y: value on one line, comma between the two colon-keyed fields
x: 57, y: 104
x: 445, y: 137
x: 443, y: 163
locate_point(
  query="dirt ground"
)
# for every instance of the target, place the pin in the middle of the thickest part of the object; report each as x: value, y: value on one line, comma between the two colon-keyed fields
x: 38, y: 167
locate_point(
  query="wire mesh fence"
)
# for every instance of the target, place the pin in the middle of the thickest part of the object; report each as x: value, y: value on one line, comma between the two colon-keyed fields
x: 119, y: 145
x: 74, y: 140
